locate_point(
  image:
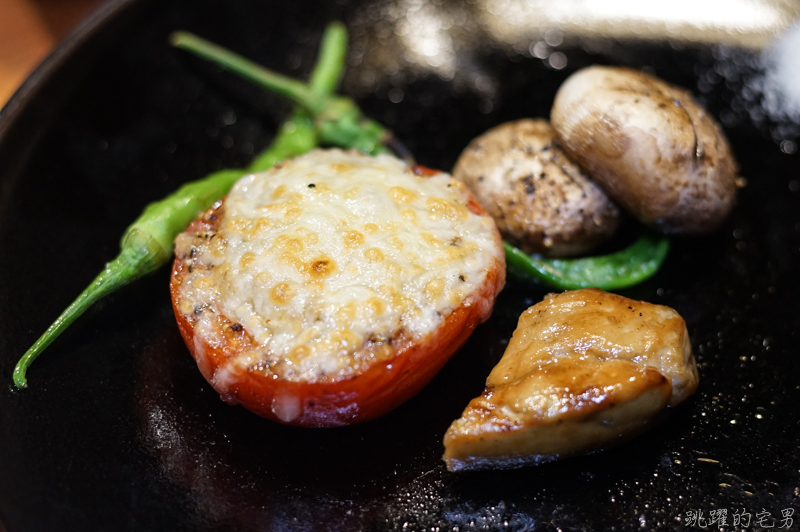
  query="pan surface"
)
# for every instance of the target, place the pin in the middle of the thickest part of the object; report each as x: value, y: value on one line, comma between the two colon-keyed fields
x: 119, y: 431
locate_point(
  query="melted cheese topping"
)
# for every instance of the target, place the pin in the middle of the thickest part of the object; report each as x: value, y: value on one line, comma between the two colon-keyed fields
x: 326, y: 259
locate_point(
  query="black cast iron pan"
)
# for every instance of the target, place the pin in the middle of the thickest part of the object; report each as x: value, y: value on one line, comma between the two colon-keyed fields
x: 118, y: 430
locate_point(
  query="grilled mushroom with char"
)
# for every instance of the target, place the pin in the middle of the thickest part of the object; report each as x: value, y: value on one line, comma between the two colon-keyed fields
x: 541, y: 201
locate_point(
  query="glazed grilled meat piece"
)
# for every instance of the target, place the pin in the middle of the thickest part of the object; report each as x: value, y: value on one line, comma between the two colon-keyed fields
x: 584, y: 370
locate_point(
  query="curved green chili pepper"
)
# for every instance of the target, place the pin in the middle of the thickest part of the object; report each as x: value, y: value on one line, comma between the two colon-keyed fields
x: 147, y: 243
x: 338, y: 120
x: 628, y: 267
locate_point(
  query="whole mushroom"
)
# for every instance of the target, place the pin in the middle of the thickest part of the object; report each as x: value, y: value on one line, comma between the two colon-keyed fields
x: 540, y: 200
x: 656, y: 152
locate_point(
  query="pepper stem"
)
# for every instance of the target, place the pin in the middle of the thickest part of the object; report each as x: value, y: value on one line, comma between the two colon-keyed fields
x: 337, y: 120
x: 298, y: 92
x: 330, y: 64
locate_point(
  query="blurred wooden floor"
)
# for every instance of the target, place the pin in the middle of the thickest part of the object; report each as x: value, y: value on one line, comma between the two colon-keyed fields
x: 29, y: 29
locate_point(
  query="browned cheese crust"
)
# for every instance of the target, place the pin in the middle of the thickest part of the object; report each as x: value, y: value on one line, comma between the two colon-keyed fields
x: 584, y: 370
x: 541, y: 201
x: 657, y: 153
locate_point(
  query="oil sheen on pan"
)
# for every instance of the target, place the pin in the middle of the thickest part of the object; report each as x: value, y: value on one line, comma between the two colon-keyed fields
x: 121, y: 432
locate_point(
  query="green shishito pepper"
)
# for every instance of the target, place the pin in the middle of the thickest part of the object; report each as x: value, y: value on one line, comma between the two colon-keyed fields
x: 147, y: 243
x: 627, y: 267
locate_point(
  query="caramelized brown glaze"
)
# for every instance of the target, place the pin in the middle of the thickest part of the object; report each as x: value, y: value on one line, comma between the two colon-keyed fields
x: 584, y: 370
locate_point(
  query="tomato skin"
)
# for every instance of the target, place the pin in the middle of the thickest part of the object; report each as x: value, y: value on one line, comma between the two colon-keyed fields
x: 424, y: 171
x: 365, y: 395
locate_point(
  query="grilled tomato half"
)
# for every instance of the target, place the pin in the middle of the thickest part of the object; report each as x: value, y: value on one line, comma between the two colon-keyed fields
x: 330, y: 289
